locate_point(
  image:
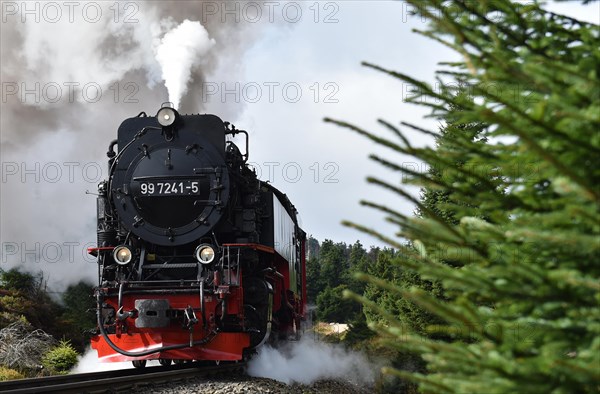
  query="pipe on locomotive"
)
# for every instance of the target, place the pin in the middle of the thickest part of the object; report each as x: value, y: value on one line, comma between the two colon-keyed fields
x: 111, y: 149
x: 233, y: 131
x: 147, y: 352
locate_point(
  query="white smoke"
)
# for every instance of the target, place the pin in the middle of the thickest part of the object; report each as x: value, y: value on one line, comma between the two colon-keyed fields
x: 67, y: 85
x: 88, y: 362
x: 308, y: 361
x: 181, y: 49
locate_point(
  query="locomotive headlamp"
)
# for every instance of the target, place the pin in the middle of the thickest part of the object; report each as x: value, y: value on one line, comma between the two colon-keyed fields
x: 122, y: 254
x: 166, y: 116
x: 205, y: 254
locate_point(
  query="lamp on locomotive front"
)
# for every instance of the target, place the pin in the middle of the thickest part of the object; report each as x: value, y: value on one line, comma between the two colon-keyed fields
x: 167, y: 116
x: 122, y: 255
x: 205, y: 254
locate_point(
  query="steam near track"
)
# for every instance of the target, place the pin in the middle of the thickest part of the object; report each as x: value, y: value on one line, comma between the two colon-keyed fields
x: 310, y: 360
x: 306, y: 362
x: 88, y: 362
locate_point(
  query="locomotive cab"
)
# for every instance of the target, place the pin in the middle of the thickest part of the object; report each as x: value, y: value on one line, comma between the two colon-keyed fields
x: 195, y: 254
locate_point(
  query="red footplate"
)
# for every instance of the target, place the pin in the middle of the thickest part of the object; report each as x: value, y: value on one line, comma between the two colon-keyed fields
x: 225, y: 346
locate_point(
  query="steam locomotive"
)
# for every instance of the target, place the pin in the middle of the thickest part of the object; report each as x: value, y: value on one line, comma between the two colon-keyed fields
x: 197, y: 258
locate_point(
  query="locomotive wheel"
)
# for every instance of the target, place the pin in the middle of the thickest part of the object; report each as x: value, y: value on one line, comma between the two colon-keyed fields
x: 257, y: 324
x: 164, y: 361
x: 139, y: 363
x: 178, y: 361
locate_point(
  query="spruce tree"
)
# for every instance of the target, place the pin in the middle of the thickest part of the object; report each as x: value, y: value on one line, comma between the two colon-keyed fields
x: 523, y: 292
x: 359, y: 261
x: 314, y: 282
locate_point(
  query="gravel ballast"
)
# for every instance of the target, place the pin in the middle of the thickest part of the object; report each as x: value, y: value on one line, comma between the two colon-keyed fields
x: 240, y: 383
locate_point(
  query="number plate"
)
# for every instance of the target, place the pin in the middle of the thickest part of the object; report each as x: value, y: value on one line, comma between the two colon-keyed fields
x: 170, y: 188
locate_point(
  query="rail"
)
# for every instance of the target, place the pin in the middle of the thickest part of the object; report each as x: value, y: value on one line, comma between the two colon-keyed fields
x: 116, y: 381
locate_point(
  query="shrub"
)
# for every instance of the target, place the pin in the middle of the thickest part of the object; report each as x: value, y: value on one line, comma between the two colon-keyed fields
x: 9, y: 374
x: 61, y: 358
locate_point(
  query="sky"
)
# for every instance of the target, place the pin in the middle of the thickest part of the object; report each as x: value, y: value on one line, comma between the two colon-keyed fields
x: 72, y: 71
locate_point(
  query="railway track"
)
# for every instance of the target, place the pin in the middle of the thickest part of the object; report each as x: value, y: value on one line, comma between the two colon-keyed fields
x: 115, y: 381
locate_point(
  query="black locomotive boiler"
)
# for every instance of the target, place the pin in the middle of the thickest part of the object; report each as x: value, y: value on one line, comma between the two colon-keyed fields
x: 197, y: 258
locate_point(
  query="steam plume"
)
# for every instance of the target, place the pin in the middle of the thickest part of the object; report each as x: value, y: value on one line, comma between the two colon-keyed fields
x: 181, y: 49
